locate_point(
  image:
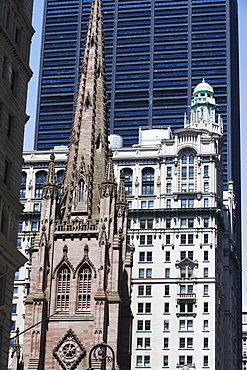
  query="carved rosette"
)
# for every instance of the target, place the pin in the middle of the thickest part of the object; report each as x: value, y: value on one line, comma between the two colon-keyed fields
x: 69, y: 351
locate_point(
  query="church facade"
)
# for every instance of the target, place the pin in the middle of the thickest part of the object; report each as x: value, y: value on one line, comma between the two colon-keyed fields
x: 79, y: 290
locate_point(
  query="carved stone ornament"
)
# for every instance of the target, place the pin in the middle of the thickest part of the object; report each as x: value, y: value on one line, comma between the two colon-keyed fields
x: 69, y: 351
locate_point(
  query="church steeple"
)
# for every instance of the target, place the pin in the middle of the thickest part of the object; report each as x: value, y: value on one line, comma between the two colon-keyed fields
x: 88, y: 148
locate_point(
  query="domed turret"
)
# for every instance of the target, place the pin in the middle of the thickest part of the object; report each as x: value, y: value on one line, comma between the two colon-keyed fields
x: 203, y: 89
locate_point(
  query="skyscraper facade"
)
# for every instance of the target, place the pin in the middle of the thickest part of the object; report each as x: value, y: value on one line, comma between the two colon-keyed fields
x: 155, y: 52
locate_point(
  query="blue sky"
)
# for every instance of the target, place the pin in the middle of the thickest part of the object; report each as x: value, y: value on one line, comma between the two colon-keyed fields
x: 32, y: 99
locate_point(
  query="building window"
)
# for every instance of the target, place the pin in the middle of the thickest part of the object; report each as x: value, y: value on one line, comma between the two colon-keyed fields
x: 128, y: 178
x: 206, y: 202
x: 205, y: 255
x: 205, y: 222
x: 17, y: 274
x: 167, y: 290
x: 63, y: 288
x: 20, y: 227
x: 169, y: 188
x: 169, y: 172
x: 183, y: 222
x: 148, y: 273
x: 141, y: 290
x: 181, y: 343
x: 34, y: 225
x: 141, y: 256
x: 184, y: 173
x: 168, y: 239
x: 39, y: 182
x: 168, y: 223
x: 205, y: 238
x: 183, y: 203
x: 205, y: 360
x: 205, y: 289
x: 84, y: 288
x: 205, y: 307
x: 166, y: 342
x: 190, y: 238
x: 150, y: 204
x: 23, y: 185
x: 138, y: 360
x: 166, y: 307
x: 181, y: 360
x: 14, y: 308
x: 15, y: 291
x: 19, y: 243
x: 182, y: 325
x: 143, y: 204
x: 166, y: 325
x: 205, y: 325
x: 191, y: 203
x: 183, y: 239
x: 190, y: 222
x: 141, y: 273
x: 206, y: 171
x: 13, y: 327
x: 142, y: 239
x: 36, y: 207
x: 184, y: 188
x: 168, y: 256
x: 191, y: 255
x: 165, y: 361
x: 60, y: 175
x: 147, y: 325
x: 167, y: 273
x: 206, y: 187
x: 189, y: 342
x: 168, y: 203
x: 205, y: 343
x: 189, y: 325
x: 147, y: 342
x: 148, y: 290
x: 205, y: 272
x: 140, y: 325
x: 149, y: 239
x: 146, y: 360
x: 140, y: 308
x: 148, y: 181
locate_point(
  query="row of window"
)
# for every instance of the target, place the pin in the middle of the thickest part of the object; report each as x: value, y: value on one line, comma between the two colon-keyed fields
x: 184, y: 222
x: 184, y: 307
x: 186, y: 272
x: 148, y: 256
x: 182, y: 360
x: 183, y: 342
x: 40, y: 178
x: 185, y: 239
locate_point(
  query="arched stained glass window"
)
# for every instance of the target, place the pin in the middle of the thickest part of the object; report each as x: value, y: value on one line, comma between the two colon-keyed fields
x: 84, y: 288
x: 63, y: 288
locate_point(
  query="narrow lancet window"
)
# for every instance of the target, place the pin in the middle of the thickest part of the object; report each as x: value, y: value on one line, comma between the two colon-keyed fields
x: 84, y: 288
x: 63, y: 288
x: 81, y: 191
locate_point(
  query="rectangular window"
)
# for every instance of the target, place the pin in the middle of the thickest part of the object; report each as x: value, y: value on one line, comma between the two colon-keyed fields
x: 184, y: 172
x: 142, y: 224
x: 183, y: 239
x: 184, y: 188
x: 140, y: 290
x: 206, y: 202
x: 205, y: 289
x: 190, y: 222
x: 139, y: 342
x: 138, y: 360
x: 15, y: 290
x: 166, y: 342
x: 205, y: 360
x: 147, y: 325
x: 181, y: 342
x: 181, y: 360
x: 148, y: 307
x: 141, y: 273
x: 168, y: 203
x: 143, y: 204
x: 191, y: 187
x: 182, y: 289
x: 205, y: 272
x: 142, y: 240
x: 190, y: 289
x: 148, y: 273
x: 183, y: 272
x: 190, y: 255
x: 168, y: 239
x: 148, y: 290
x: 149, y: 239
x: 191, y: 203
x: 166, y: 325
x: 182, y: 255
x: 189, y: 325
x: 190, y: 239
x: 167, y: 290
x: 205, y: 342
x: 205, y: 238
x: 165, y: 362
x: 130, y: 204
x: 14, y: 308
x: 191, y: 172
x: 19, y: 243
x: 205, y: 222
x: 169, y: 172
x: 167, y: 273
x: 19, y: 227
x: 182, y: 325
x: 139, y: 325
x: 205, y: 171
x: 149, y: 256
x: 183, y: 222
x: 141, y: 256
x: 36, y: 207
x: 189, y: 342
x: 205, y: 307
x: 140, y: 308
x: 150, y: 204
x: 205, y: 255
x: 166, y: 307
x: 146, y: 360
x: 168, y: 223
x: 189, y: 360
x: 205, y: 325
x: 169, y: 188
x: 206, y: 187
x: 183, y: 203
x: 34, y: 225
x: 168, y: 256
x: 149, y: 224
x: 147, y: 342
x: 17, y: 274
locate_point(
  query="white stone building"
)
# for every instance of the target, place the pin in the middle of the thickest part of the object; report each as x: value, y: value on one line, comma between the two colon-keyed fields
x: 181, y: 230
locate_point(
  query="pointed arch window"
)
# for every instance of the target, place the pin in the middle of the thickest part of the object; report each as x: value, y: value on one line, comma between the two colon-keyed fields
x: 148, y: 181
x: 84, y: 288
x: 128, y: 178
x: 63, y: 288
x: 81, y: 191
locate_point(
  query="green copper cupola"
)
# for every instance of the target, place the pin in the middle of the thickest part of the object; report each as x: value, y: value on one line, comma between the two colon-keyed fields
x: 203, y: 103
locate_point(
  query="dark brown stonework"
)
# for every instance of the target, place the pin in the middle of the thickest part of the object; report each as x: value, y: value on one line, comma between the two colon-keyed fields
x: 81, y: 269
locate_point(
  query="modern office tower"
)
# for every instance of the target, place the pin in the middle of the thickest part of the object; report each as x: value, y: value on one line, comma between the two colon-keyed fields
x: 155, y: 53
x: 15, y: 38
x: 80, y: 283
x: 182, y: 230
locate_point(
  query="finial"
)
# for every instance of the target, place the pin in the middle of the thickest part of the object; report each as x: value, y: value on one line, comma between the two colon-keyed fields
x: 203, y: 80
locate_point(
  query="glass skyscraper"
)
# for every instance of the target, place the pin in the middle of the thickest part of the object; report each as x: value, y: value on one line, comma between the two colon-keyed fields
x: 156, y: 53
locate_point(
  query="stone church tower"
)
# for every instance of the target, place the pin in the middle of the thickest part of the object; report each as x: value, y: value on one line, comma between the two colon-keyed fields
x: 81, y: 270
